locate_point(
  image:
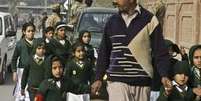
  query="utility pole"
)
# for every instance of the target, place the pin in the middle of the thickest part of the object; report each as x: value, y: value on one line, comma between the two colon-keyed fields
x: 45, y: 2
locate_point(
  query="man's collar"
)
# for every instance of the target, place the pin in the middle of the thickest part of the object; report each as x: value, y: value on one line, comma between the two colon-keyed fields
x: 138, y: 8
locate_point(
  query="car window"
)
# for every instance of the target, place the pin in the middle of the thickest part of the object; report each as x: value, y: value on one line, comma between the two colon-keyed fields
x: 93, y: 22
x: 1, y: 26
x: 8, y: 23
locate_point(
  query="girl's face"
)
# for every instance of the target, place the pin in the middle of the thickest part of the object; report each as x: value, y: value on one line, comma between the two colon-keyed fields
x: 86, y: 38
x: 29, y: 33
x: 79, y: 53
x: 61, y: 32
x: 57, y: 69
x: 40, y: 51
x: 197, y: 58
x: 181, y: 79
x: 49, y: 34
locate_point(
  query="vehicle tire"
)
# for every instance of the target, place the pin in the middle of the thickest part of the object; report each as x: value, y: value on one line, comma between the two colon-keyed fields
x: 3, y: 72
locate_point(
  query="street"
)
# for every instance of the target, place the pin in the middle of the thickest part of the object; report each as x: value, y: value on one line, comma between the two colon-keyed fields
x: 7, y: 89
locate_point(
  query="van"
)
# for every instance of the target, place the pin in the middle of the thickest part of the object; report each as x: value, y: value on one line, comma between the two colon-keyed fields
x: 7, y: 43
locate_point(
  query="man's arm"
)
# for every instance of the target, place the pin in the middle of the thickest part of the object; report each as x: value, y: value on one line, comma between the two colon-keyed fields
x: 102, y: 61
x: 103, y: 55
x: 160, y: 54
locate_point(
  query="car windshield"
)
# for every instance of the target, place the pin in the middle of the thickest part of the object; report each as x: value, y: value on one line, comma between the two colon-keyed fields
x: 94, y: 22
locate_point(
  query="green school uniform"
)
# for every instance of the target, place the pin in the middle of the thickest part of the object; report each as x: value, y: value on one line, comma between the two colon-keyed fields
x: 52, y: 92
x: 34, y: 74
x: 79, y: 74
x: 23, y: 50
x: 176, y: 95
x: 62, y: 51
x: 90, y: 52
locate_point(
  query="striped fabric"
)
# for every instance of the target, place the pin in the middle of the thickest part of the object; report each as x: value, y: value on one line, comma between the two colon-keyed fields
x: 125, y: 51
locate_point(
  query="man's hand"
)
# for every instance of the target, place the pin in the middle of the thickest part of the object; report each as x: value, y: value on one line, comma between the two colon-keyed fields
x: 95, y: 87
x: 14, y: 76
x: 182, y: 50
x: 167, y: 85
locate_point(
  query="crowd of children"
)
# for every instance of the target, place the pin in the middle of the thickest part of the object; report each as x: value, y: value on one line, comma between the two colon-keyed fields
x: 47, y: 68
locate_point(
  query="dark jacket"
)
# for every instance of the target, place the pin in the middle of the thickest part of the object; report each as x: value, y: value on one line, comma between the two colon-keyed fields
x: 176, y: 95
x: 23, y: 51
x: 51, y: 92
x: 35, y: 73
x: 62, y: 51
x: 79, y: 74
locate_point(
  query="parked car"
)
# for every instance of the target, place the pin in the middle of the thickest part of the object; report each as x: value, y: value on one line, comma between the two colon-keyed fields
x: 7, y: 43
x: 93, y: 19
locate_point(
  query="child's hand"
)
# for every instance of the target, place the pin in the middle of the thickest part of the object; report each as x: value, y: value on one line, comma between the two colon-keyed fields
x: 167, y: 85
x: 14, y: 76
x: 168, y: 91
x: 22, y: 92
x: 197, y: 91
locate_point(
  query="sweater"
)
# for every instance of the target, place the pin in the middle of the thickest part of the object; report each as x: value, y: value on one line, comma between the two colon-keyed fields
x: 79, y: 74
x: 126, y: 53
x: 62, y: 51
x: 23, y: 51
x: 51, y: 92
x: 35, y: 73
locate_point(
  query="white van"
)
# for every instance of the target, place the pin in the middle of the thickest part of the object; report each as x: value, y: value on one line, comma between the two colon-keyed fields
x: 7, y: 43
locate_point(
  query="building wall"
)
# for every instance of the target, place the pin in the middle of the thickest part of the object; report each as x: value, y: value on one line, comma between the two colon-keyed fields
x: 181, y: 21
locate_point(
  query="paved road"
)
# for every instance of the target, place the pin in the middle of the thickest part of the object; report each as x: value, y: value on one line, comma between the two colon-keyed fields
x: 7, y: 89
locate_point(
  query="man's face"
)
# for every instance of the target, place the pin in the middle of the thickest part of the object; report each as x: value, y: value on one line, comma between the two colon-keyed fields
x: 124, y: 5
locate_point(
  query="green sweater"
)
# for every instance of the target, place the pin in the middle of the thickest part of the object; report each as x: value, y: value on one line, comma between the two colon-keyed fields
x: 79, y: 74
x: 23, y: 50
x: 52, y: 92
x: 62, y: 51
x: 90, y: 52
x: 176, y: 95
x: 35, y: 73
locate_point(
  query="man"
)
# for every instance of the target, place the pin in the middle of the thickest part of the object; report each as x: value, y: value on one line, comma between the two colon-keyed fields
x: 55, y: 17
x: 76, y: 9
x: 131, y: 38
x: 88, y: 3
x: 43, y: 21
